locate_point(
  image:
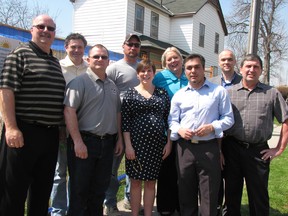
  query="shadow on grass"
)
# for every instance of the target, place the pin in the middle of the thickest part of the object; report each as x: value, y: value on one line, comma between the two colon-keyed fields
x: 273, y: 212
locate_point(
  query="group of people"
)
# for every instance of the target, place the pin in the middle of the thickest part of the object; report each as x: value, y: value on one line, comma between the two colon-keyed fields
x: 198, y: 138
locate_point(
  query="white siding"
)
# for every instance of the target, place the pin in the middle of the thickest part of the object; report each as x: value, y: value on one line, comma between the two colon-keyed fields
x: 209, y: 17
x: 101, y: 22
x: 163, y: 33
x: 181, y: 33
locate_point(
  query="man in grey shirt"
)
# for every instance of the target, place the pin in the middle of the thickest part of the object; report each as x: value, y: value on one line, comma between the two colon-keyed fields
x: 93, y: 118
x: 124, y: 75
x: 247, y: 154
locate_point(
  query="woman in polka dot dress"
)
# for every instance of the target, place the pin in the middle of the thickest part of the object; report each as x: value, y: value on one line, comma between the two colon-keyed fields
x: 145, y: 111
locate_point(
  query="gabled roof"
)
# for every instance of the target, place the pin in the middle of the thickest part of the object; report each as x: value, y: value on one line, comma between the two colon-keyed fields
x: 151, y: 42
x: 187, y: 8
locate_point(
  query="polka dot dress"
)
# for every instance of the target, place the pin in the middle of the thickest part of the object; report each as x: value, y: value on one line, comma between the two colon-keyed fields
x: 146, y: 120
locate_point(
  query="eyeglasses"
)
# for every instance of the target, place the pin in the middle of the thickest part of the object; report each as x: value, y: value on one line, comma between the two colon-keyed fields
x: 136, y: 45
x: 42, y: 27
x: 99, y: 56
x: 136, y: 165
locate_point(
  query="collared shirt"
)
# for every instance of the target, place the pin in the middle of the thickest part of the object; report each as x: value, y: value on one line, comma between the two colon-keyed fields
x: 97, y: 103
x: 37, y: 81
x: 191, y: 108
x: 70, y: 70
x: 235, y: 80
x: 254, y: 112
x: 219, y: 80
x: 170, y: 82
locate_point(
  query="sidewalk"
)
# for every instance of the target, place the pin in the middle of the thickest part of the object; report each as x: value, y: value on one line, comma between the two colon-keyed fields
x: 272, y: 143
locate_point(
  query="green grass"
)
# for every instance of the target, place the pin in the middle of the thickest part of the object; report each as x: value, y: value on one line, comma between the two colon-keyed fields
x: 278, y: 187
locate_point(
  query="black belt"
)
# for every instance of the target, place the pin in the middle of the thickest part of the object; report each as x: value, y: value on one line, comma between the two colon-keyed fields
x: 194, y: 141
x: 105, y: 136
x: 248, y: 145
x: 36, y: 124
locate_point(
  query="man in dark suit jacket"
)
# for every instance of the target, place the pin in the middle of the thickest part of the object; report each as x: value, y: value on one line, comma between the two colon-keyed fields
x: 229, y: 77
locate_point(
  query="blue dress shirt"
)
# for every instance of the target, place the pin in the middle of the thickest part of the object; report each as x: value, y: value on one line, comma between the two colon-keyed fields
x: 191, y: 108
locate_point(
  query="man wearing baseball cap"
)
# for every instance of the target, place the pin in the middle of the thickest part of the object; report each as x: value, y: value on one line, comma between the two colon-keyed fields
x: 124, y: 75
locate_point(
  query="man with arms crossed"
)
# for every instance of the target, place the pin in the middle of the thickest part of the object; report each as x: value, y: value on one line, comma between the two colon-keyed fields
x: 247, y: 154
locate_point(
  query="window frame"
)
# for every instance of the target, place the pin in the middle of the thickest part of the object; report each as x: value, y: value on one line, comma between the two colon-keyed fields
x: 154, y: 25
x: 139, y: 18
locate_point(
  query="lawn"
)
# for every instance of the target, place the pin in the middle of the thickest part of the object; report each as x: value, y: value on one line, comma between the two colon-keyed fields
x: 278, y: 187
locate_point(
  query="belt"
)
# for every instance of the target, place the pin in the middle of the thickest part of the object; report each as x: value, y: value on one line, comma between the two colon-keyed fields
x: 102, y: 137
x: 248, y: 145
x: 36, y: 124
x: 194, y: 141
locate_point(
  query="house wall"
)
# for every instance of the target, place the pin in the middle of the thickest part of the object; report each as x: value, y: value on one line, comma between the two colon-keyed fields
x: 102, y: 22
x: 209, y: 17
x: 181, y: 32
x: 164, y: 27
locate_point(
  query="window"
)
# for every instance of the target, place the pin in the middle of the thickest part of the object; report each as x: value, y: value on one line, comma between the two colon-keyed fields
x: 154, y: 25
x: 139, y: 18
x: 216, y: 46
x: 201, y: 35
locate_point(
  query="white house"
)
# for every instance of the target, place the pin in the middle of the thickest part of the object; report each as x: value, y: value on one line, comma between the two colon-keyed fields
x: 193, y: 26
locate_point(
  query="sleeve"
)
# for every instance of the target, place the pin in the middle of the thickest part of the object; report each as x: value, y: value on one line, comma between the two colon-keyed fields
x: 280, y: 107
x: 174, y: 118
x: 126, y: 112
x: 13, y: 71
x: 226, y: 117
x: 74, y: 93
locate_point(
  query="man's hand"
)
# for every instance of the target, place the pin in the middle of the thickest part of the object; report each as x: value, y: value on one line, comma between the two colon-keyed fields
x: 185, y: 133
x: 81, y: 150
x: 14, y: 138
x: 204, y: 130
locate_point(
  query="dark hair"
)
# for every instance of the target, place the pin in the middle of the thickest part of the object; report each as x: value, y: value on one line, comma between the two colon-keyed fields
x: 193, y: 56
x: 251, y: 57
x: 75, y: 36
x: 145, y: 64
x: 100, y: 46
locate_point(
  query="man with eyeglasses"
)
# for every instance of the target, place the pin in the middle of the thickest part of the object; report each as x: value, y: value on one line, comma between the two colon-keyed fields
x: 31, y: 93
x: 124, y: 75
x: 92, y: 116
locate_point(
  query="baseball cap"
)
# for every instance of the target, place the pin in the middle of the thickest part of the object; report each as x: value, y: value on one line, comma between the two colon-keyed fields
x: 129, y: 36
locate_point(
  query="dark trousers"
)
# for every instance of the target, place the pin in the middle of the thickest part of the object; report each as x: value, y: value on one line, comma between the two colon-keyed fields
x: 199, y: 172
x: 167, y: 186
x: 30, y: 167
x: 245, y: 163
x: 90, y: 178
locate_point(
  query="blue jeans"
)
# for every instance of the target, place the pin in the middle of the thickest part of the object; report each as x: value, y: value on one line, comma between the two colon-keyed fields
x: 90, y: 178
x: 111, y: 193
x: 59, y: 196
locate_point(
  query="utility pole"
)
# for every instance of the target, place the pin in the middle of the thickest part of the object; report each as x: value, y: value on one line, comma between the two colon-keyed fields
x: 254, y: 27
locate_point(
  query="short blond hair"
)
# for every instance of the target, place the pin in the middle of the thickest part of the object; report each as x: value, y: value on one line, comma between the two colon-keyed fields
x: 170, y: 49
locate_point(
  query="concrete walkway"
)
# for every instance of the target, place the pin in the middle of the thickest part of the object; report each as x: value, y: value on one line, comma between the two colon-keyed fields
x: 272, y: 143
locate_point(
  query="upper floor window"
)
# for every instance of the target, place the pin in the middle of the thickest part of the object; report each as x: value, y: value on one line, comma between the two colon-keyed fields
x: 201, y: 35
x: 216, y: 46
x: 139, y: 18
x: 154, y: 25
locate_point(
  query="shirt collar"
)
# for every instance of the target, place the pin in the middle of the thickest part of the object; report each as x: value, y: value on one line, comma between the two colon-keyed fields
x: 205, y: 84
x: 240, y: 86
x: 173, y: 77
x: 69, y: 63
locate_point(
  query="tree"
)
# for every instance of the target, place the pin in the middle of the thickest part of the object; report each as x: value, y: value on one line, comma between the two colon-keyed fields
x: 272, y: 42
x: 19, y: 14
